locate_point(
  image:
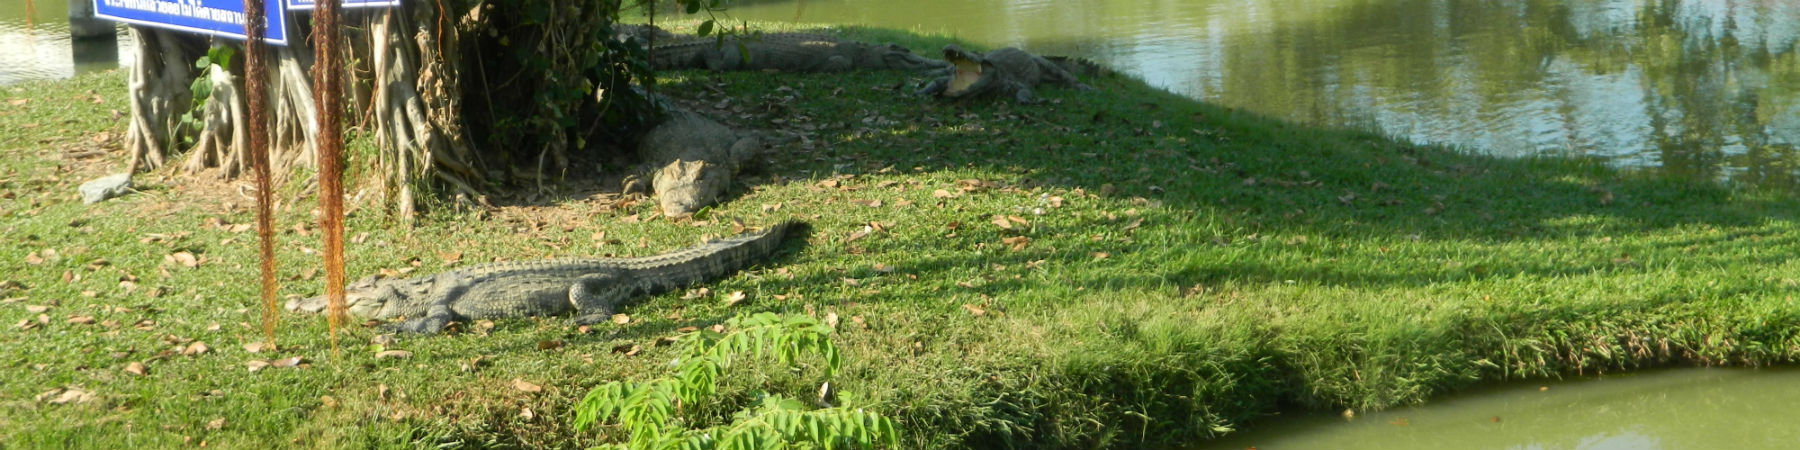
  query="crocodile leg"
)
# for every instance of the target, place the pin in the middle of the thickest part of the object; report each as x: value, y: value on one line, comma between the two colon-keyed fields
x: 936, y: 87
x: 1022, y: 93
x: 1053, y: 72
x: 597, y: 296
x: 434, y: 321
x: 446, y: 289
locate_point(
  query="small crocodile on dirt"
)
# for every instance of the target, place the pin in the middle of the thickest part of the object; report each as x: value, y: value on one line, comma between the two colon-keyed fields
x: 590, y: 288
x: 1004, y: 72
x: 785, y: 52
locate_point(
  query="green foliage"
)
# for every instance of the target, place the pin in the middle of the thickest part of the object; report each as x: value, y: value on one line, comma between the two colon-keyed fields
x: 650, y: 411
x: 567, y: 78
x: 216, y: 58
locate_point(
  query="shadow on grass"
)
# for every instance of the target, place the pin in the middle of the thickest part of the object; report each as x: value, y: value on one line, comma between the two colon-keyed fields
x: 1253, y: 175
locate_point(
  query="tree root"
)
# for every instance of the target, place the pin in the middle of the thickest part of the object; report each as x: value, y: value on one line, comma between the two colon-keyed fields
x: 159, y: 95
x: 224, y: 140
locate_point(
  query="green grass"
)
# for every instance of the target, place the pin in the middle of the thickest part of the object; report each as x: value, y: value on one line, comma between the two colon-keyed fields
x: 1188, y: 270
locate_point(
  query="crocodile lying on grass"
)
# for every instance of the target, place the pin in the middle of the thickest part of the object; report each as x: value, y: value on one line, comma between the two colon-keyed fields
x: 690, y: 161
x: 785, y: 52
x: 1004, y: 72
x: 591, y: 288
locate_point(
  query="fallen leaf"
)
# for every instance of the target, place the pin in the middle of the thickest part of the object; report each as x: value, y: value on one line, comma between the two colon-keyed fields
x: 216, y: 424
x: 621, y: 319
x: 831, y: 320
x: 35, y: 309
x: 549, y: 345
x: 1000, y: 221
x: 1016, y: 242
x: 526, y: 386
x: 1054, y: 201
x: 735, y: 298
x: 258, y: 347
x: 1134, y: 224
x: 875, y: 203
x: 940, y: 193
x: 696, y: 293
x: 328, y: 401
x: 395, y: 354
x: 627, y: 349
x: 81, y: 320
x: 288, y: 362
x: 185, y: 259
x: 974, y: 310
x: 859, y: 234
x: 1101, y: 255
x: 1018, y: 220
x: 194, y: 348
x: 65, y: 396
x: 136, y: 368
x: 525, y: 413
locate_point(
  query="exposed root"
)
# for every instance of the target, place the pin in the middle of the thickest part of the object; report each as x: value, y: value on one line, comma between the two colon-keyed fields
x: 224, y: 142
x: 159, y: 95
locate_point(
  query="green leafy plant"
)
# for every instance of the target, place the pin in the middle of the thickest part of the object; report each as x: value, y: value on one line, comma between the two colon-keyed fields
x: 650, y: 412
x: 216, y: 58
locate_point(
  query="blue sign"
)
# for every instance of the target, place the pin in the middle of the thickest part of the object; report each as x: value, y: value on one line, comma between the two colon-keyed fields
x: 224, y: 18
x: 306, y: 5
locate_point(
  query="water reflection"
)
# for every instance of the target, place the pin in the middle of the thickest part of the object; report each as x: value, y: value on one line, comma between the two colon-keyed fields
x: 1673, y: 409
x: 35, y: 43
x: 1703, y: 88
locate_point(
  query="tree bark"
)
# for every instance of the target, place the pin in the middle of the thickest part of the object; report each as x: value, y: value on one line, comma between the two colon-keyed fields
x: 159, y: 94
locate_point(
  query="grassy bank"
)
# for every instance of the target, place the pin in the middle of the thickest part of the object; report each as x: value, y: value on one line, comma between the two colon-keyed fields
x: 1120, y: 268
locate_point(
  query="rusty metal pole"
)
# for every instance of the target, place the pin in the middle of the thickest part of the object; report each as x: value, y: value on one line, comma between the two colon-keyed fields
x: 327, y: 74
x: 256, y: 95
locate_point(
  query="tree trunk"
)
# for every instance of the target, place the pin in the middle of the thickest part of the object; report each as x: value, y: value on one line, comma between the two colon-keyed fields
x: 159, y: 94
x: 406, y: 83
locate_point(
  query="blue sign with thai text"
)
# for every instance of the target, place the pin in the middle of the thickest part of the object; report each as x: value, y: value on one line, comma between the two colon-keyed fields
x: 305, y: 5
x: 224, y: 18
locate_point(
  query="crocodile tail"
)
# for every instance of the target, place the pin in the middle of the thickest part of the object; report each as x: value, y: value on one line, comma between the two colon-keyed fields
x: 714, y: 259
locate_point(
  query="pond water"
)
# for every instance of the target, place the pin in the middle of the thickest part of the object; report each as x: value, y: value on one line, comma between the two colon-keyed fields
x: 1688, y: 409
x: 35, y: 43
x: 1706, y: 88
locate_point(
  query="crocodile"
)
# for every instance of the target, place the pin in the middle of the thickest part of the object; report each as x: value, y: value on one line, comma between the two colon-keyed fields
x: 1004, y: 72
x: 784, y: 52
x: 690, y: 161
x: 589, y: 288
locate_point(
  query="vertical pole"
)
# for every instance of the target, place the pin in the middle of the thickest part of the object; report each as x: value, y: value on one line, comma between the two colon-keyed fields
x: 256, y: 92
x: 327, y: 71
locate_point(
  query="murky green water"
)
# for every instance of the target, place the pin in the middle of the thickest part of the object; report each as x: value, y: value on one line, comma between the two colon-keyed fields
x: 35, y: 43
x: 1687, y: 409
x: 1709, y: 88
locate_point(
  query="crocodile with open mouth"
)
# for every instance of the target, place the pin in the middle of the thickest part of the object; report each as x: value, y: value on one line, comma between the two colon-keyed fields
x: 1004, y: 72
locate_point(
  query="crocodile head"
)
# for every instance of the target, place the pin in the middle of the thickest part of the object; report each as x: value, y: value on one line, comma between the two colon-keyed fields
x: 683, y: 187
x: 899, y: 58
x: 367, y: 298
x: 967, y: 68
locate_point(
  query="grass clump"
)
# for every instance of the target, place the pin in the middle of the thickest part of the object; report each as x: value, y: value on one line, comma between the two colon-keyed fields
x: 1121, y: 268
